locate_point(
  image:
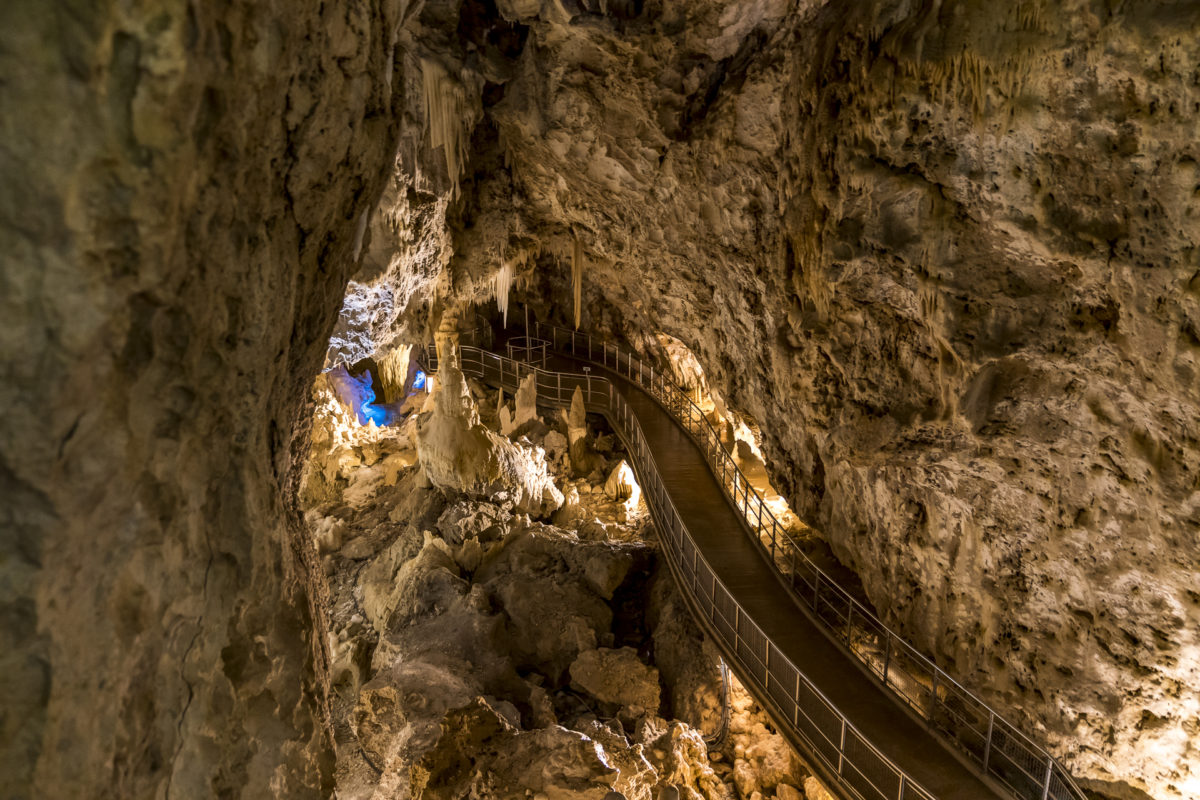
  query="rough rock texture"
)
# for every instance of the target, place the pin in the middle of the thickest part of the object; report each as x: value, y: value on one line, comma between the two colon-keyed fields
x: 458, y: 452
x: 944, y: 254
x: 481, y: 754
x: 182, y: 189
x: 617, y: 676
x: 478, y: 654
x: 526, y: 401
x: 622, y: 485
x: 686, y: 659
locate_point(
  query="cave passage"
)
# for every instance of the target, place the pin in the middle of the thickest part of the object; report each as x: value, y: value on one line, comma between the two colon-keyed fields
x: 533, y: 399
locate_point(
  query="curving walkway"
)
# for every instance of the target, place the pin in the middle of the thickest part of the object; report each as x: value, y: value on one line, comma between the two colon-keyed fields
x: 825, y: 698
x: 719, y: 534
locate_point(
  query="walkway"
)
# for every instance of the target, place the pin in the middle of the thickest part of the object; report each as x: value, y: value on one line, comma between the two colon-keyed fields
x: 721, y: 537
x: 843, y: 708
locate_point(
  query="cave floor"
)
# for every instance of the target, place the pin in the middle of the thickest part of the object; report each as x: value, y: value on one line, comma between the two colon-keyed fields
x: 721, y: 537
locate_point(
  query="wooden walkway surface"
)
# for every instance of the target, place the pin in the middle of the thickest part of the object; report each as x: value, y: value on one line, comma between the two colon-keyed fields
x: 717, y: 529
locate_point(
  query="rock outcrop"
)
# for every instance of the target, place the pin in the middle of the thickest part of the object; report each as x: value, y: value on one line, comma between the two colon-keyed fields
x: 618, y: 677
x: 185, y: 189
x: 476, y: 651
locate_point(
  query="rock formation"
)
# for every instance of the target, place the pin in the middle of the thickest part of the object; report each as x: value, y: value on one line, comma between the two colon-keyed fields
x: 477, y: 651
x: 943, y: 256
x: 459, y: 453
x: 185, y: 190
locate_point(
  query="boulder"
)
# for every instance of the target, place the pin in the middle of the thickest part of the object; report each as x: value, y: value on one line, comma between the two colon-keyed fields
x: 618, y: 677
x: 679, y: 754
x: 422, y: 586
x: 481, y: 754
x: 815, y: 790
x: 785, y: 791
x: 570, y: 510
x: 556, y: 445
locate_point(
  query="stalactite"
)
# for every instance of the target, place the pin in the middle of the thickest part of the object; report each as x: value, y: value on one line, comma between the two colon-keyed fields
x: 577, y: 279
x: 513, y: 271
x: 449, y: 117
x: 503, y: 283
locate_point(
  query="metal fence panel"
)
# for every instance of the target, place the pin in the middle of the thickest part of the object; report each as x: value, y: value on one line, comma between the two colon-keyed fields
x: 865, y: 770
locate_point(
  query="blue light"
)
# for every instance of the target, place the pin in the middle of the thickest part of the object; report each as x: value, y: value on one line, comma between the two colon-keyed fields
x: 373, y: 412
x: 419, y: 380
x: 367, y: 410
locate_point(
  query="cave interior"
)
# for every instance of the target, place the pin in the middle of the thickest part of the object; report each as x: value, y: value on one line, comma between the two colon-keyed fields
x: 356, y: 356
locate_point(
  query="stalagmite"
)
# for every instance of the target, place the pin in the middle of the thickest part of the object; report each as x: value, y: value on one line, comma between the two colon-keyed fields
x: 526, y: 400
x: 580, y: 453
x: 458, y: 453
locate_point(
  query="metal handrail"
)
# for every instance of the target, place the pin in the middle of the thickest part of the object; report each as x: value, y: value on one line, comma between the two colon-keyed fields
x: 1001, y: 750
x: 858, y: 767
x: 528, y: 349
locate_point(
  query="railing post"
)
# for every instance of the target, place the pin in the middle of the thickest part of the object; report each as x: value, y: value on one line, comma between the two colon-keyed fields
x: 737, y: 622
x: 712, y: 598
x: 1049, y: 773
x: 933, y: 697
x: 987, y: 745
x: 796, y: 702
x: 887, y: 655
x: 842, y: 747
x: 903, y: 781
x: 850, y: 626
